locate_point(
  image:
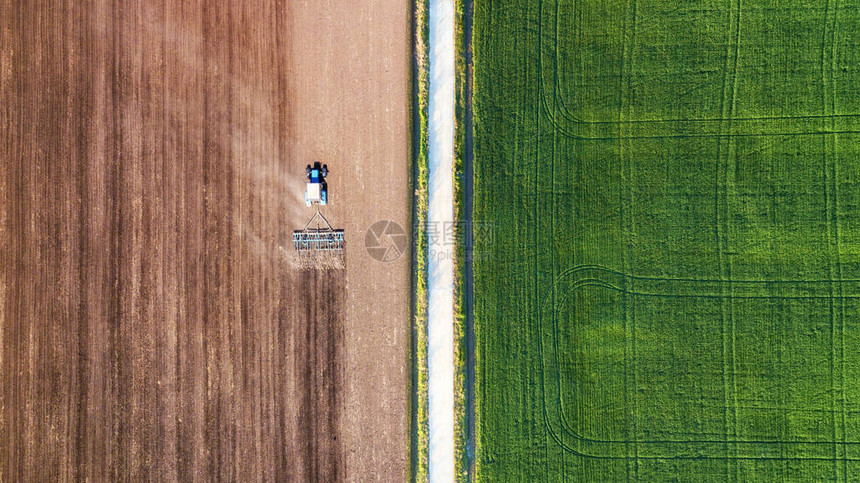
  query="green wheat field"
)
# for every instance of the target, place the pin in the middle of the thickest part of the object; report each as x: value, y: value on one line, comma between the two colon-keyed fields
x: 672, y: 291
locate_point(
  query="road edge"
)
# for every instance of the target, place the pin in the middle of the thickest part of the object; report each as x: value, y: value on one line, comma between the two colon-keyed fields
x: 418, y: 408
x: 463, y: 283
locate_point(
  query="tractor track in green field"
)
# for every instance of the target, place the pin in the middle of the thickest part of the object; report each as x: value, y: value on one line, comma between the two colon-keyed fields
x: 724, y: 156
x: 830, y: 207
x: 625, y: 151
x: 704, y: 280
x: 568, y: 115
x: 851, y: 121
x: 711, y: 444
x: 727, y: 288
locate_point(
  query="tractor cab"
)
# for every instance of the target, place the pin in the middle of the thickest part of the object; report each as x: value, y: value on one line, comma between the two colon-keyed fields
x: 316, y: 191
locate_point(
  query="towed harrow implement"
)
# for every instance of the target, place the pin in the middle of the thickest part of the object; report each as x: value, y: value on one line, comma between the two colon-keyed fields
x: 320, y: 237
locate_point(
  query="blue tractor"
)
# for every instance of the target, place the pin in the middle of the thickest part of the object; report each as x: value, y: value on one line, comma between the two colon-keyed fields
x: 316, y: 192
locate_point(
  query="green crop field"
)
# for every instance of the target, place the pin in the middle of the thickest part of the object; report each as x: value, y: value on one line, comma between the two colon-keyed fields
x: 671, y: 291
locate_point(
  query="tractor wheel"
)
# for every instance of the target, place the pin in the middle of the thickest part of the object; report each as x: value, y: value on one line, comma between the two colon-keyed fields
x: 308, y: 171
x: 324, y: 171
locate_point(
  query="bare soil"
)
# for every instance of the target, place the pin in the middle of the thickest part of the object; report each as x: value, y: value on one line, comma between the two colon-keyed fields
x: 152, y: 325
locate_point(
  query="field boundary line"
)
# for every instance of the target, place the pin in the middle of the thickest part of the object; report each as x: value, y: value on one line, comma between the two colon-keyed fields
x: 664, y: 448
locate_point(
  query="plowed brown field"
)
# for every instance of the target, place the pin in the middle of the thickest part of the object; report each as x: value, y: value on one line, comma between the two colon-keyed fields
x: 151, y: 171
